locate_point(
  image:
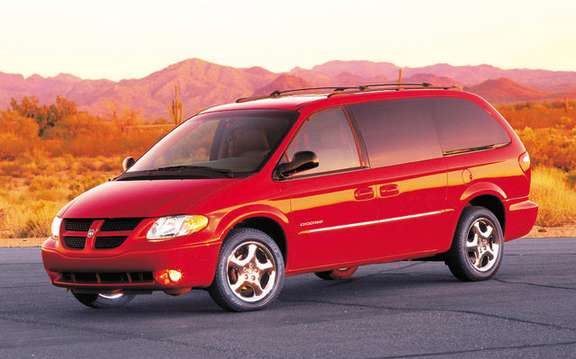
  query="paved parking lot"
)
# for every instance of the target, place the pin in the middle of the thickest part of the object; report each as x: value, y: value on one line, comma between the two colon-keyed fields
x: 406, y: 309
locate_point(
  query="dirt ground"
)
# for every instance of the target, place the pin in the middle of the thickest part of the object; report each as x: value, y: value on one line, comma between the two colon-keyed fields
x: 537, y: 232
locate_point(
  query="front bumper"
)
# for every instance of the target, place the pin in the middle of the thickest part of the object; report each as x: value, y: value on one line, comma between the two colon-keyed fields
x: 196, y: 261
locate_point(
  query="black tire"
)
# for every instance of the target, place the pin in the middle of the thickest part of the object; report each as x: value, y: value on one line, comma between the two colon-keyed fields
x: 221, y: 290
x: 103, y: 301
x: 337, y: 274
x: 460, y: 257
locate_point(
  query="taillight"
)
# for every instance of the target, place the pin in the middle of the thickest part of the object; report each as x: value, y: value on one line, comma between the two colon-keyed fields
x: 524, y: 161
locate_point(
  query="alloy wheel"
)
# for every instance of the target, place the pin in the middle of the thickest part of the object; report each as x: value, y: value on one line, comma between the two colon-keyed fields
x: 251, y: 271
x: 483, y: 245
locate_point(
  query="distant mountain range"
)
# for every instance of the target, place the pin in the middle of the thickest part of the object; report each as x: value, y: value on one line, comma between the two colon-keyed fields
x: 204, y: 84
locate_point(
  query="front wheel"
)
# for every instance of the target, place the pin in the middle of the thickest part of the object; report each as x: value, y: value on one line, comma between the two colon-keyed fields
x: 478, y: 245
x: 103, y: 300
x: 250, y: 271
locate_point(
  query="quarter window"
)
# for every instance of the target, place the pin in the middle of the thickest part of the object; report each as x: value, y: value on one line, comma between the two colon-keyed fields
x: 327, y: 134
x: 463, y: 125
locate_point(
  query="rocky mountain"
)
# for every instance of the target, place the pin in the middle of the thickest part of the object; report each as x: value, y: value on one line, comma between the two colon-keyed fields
x: 505, y: 90
x: 203, y: 84
x: 282, y: 82
x: 432, y: 79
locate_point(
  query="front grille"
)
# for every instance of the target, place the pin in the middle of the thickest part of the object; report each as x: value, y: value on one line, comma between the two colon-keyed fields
x: 74, y: 242
x: 76, y: 232
x: 109, y: 242
x: 106, y: 278
x: 120, y: 224
x: 77, y: 225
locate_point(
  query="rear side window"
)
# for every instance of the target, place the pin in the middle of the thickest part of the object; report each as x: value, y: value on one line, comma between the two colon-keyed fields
x: 463, y: 126
x: 397, y: 131
x: 327, y: 134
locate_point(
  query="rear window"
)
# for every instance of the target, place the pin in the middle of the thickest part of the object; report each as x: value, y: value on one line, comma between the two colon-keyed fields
x: 397, y: 131
x: 463, y: 126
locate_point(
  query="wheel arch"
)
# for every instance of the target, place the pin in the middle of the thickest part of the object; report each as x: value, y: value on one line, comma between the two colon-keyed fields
x: 489, y: 196
x: 493, y: 204
x: 270, y: 221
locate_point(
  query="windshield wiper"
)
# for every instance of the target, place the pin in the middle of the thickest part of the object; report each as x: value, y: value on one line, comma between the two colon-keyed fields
x: 183, y: 168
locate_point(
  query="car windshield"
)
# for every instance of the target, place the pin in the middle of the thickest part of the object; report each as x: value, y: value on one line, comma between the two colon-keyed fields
x: 212, y: 145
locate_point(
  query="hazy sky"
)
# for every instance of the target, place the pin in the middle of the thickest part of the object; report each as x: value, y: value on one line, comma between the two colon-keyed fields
x: 128, y: 38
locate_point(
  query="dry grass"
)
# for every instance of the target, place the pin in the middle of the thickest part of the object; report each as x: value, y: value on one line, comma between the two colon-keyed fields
x: 555, y: 195
x: 32, y: 191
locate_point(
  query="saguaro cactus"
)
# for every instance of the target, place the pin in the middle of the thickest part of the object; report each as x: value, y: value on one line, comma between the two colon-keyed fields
x: 400, y: 75
x: 175, y: 108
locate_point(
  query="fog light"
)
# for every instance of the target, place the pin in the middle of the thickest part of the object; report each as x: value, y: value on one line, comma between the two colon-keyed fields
x: 168, y: 276
x: 174, y: 275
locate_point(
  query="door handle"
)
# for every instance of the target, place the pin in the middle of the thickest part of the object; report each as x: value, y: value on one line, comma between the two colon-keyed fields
x: 389, y: 190
x: 362, y: 194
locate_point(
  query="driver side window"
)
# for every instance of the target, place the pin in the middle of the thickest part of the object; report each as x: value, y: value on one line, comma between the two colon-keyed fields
x: 327, y: 134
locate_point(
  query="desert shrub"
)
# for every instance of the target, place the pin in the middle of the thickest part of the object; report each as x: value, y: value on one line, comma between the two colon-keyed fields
x: 559, y: 114
x: 38, y: 183
x: 551, y: 147
x: 82, y: 184
x: 45, y: 116
x: 555, y: 196
x: 17, y: 135
x: 10, y: 169
x: 35, y: 220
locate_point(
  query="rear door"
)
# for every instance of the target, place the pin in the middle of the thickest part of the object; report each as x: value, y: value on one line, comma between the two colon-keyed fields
x: 330, y: 202
x: 409, y: 172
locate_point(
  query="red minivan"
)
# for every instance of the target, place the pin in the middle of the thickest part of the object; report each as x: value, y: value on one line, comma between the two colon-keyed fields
x: 313, y: 180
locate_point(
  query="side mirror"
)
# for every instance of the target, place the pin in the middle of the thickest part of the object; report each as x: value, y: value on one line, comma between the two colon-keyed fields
x: 302, y: 161
x: 127, y: 163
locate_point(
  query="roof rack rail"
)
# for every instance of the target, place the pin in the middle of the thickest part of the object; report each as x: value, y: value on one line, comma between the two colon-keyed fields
x: 398, y: 87
x: 336, y: 90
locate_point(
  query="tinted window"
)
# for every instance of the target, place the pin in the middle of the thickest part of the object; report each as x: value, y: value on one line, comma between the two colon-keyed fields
x: 464, y: 125
x: 398, y: 131
x: 328, y: 135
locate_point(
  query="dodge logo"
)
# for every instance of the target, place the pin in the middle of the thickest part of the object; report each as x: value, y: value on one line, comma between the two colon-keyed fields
x: 90, y: 233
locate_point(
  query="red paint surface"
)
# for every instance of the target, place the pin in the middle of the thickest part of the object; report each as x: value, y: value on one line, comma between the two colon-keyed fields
x: 301, y: 205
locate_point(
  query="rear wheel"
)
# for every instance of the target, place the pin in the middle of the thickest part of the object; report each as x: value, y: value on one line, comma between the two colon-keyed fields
x: 478, y: 245
x: 104, y: 300
x: 338, y: 274
x: 250, y: 271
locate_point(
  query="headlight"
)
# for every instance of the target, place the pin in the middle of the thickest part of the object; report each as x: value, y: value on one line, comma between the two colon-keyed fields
x: 176, y: 226
x: 55, y: 227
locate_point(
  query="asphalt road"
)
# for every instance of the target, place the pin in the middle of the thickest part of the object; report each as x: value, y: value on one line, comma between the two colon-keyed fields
x: 406, y: 309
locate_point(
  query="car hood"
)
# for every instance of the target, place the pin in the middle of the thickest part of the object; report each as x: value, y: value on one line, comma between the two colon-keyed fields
x: 150, y: 198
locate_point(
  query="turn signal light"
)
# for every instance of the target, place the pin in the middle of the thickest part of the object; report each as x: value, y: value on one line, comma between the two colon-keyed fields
x: 524, y: 161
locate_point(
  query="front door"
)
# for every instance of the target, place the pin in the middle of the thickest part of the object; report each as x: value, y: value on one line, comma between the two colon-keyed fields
x: 333, y: 203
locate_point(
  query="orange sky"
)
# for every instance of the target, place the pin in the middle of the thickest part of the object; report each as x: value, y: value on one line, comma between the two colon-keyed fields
x: 129, y: 38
